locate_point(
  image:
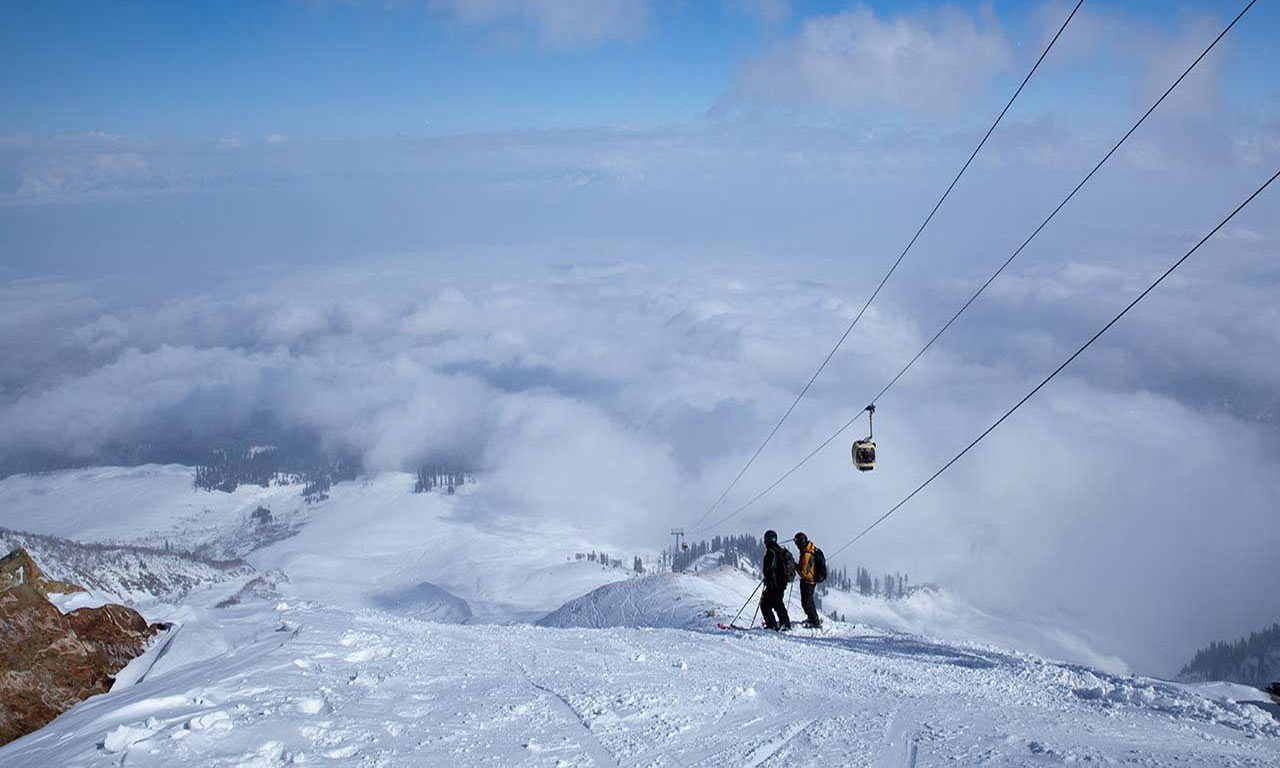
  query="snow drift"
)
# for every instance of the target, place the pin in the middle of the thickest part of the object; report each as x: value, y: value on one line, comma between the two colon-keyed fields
x: 680, y: 600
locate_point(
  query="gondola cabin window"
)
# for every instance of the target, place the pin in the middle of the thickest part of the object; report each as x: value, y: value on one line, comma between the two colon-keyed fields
x: 864, y: 455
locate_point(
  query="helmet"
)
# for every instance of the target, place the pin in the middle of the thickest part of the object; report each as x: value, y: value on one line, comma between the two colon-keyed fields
x: 770, y: 536
x: 801, y: 538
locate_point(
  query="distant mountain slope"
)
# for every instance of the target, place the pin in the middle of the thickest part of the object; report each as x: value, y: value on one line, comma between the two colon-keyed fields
x: 373, y: 543
x: 1252, y: 660
x: 129, y: 573
x: 150, y: 506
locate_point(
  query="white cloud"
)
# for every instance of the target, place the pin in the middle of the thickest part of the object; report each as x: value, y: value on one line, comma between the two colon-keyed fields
x: 765, y: 11
x: 62, y: 176
x: 928, y: 63
x: 556, y: 23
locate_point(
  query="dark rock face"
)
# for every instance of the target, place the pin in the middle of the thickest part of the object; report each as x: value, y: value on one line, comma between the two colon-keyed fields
x: 50, y: 661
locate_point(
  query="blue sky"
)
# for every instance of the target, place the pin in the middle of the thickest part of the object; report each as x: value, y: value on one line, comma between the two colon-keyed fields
x: 331, y: 68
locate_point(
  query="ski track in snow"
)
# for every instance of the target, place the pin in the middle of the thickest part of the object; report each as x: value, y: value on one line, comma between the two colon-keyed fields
x: 334, y: 687
x: 597, y: 751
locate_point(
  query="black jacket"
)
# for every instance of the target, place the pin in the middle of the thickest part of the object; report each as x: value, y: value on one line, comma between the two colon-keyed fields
x: 774, y: 567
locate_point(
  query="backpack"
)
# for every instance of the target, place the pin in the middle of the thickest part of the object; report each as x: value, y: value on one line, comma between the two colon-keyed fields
x: 788, y: 564
x: 819, y: 566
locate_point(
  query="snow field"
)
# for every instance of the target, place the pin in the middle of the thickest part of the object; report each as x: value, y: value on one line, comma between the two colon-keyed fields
x: 372, y: 544
x: 146, y: 505
x: 332, y: 687
x: 336, y: 664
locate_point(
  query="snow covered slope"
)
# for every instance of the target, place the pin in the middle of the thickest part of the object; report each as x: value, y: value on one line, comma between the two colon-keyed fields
x: 148, y: 505
x: 705, y: 598
x: 941, y: 614
x: 372, y: 544
x: 325, y: 658
x: 340, y: 688
x: 688, y: 600
x: 119, y: 573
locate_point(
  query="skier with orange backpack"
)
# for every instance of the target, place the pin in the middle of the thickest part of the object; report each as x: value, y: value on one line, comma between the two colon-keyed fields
x: 812, y: 569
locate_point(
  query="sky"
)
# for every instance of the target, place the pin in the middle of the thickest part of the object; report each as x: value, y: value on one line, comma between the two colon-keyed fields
x: 600, y: 246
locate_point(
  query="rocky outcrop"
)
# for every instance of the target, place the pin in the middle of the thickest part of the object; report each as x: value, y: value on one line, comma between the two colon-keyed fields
x: 17, y: 568
x: 264, y: 587
x: 50, y: 661
x: 1273, y: 691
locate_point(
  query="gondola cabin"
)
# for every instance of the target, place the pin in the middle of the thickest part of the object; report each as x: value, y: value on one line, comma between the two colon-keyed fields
x: 864, y: 455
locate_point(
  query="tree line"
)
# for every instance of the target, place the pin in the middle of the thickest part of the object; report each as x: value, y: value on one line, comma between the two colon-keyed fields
x: 226, y: 469
x: 748, y: 547
x: 604, y: 559
x: 449, y: 475
x: 1252, y: 660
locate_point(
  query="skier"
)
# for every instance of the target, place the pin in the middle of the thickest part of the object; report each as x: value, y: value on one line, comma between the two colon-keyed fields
x: 778, y: 569
x: 808, y: 570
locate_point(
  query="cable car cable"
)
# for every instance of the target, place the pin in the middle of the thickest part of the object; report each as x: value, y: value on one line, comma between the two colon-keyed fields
x: 993, y: 277
x: 1061, y: 205
x: 1060, y: 368
x: 889, y: 274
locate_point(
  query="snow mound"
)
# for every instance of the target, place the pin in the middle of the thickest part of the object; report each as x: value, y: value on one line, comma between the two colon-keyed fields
x: 424, y: 601
x: 678, y: 600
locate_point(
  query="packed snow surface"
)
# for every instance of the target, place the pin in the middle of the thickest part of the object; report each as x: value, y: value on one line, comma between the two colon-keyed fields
x: 325, y: 686
x: 390, y: 629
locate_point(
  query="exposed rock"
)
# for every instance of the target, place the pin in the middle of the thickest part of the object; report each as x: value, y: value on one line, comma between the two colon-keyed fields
x: 50, y: 661
x: 1273, y: 690
x: 263, y: 587
x: 17, y: 568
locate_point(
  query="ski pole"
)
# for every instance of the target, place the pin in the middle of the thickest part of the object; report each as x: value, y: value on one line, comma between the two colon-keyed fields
x: 744, y: 605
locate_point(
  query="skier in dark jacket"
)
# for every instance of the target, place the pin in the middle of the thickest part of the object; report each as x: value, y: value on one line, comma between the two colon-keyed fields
x: 805, y: 569
x: 774, y: 569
